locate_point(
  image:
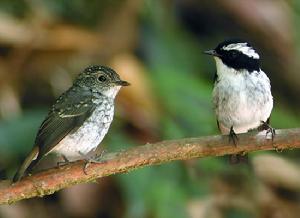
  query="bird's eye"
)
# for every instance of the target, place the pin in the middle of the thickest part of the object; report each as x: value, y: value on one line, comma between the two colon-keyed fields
x: 102, y: 78
x: 234, y: 54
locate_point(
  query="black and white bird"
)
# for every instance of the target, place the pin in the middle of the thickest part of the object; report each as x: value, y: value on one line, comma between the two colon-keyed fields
x: 242, y: 95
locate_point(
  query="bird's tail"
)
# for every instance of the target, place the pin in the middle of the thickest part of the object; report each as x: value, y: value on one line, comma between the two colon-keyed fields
x: 30, y: 161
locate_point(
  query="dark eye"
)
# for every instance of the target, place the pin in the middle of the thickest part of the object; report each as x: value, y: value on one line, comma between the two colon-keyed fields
x: 234, y: 54
x: 102, y: 78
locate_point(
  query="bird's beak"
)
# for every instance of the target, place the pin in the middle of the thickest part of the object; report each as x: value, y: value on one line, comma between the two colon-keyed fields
x: 122, y: 83
x: 212, y: 52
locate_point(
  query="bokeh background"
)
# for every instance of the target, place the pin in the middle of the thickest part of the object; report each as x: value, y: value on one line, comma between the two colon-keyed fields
x: 157, y: 46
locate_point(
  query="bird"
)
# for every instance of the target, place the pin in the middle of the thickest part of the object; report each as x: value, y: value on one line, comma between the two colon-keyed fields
x: 242, y: 97
x: 78, y: 120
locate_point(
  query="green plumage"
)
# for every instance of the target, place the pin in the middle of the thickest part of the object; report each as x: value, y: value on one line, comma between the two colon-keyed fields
x: 92, y: 87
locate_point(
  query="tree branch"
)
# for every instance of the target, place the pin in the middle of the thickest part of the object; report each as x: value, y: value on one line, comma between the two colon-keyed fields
x: 49, y: 181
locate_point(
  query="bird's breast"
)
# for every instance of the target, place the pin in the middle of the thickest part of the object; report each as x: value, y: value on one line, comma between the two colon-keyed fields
x: 87, y: 137
x: 242, y: 100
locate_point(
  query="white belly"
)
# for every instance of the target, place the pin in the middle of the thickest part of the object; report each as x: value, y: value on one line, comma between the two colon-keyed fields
x: 88, y: 136
x: 242, y: 101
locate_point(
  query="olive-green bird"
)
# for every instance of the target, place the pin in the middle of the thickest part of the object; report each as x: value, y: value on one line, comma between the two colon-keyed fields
x: 79, y: 119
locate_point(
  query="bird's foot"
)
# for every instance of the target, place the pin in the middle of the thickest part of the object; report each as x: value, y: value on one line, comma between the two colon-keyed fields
x: 232, y: 136
x: 91, y: 159
x: 266, y: 126
x: 64, y: 162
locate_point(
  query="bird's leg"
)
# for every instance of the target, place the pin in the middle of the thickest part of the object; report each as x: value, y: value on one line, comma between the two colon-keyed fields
x: 64, y: 162
x: 266, y: 126
x: 232, y: 136
x: 90, y: 160
x: 236, y: 158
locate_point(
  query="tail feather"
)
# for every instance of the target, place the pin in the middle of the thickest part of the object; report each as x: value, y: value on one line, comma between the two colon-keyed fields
x: 27, y: 165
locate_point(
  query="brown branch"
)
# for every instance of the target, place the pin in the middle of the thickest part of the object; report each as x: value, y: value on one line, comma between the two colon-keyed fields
x: 47, y: 182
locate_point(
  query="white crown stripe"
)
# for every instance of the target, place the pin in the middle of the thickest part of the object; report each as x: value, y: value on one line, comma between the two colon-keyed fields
x: 242, y: 47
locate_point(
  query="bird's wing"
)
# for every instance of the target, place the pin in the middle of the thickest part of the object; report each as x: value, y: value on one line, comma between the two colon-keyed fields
x: 218, y: 124
x: 67, y: 115
x: 224, y: 130
x: 216, y: 78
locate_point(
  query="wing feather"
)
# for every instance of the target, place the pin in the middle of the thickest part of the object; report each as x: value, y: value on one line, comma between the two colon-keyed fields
x: 66, y: 116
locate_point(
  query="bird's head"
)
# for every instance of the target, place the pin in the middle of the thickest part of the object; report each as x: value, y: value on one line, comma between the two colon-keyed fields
x: 236, y: 54
x: 101, y: 79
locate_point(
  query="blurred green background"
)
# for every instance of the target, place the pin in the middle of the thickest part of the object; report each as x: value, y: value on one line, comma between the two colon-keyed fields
x: 157, y: 46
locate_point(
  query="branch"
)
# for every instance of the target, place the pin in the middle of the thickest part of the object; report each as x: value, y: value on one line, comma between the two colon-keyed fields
x: 52, y: 180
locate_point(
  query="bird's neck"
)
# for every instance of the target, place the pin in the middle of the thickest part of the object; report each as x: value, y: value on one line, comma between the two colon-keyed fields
x: 111, y: 92
x: 108, y: 94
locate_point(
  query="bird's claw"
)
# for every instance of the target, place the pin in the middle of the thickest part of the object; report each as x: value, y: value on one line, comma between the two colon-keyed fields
x: 64, y: 162
x: 89, y: 160
x: 265, y: 126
